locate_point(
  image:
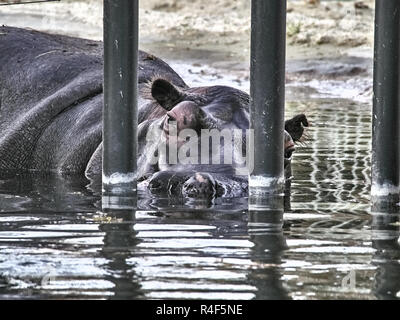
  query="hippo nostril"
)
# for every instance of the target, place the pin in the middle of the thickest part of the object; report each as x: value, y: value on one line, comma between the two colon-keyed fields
x: 199, y: 186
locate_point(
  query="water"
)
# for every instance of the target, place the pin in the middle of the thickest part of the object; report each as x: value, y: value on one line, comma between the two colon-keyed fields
x: 56, y: 242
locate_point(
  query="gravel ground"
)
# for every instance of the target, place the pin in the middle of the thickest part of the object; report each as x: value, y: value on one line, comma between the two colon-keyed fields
x: 313, y: 27
x: 329, y: 43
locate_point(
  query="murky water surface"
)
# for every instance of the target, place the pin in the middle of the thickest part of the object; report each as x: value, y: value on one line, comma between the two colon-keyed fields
x: 56, y: 242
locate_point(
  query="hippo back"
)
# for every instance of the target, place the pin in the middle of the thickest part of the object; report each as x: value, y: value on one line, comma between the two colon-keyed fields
x: 51, y: 99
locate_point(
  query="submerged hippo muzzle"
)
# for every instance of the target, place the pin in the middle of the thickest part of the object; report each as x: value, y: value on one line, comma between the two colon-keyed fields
x: 201, y: 185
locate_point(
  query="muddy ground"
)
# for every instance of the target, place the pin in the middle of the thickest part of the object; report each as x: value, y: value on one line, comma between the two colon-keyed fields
x: 208, y: 41
x: 312, y: 26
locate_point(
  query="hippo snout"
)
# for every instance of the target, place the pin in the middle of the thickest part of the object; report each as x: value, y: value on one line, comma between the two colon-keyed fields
x: 201, y: 185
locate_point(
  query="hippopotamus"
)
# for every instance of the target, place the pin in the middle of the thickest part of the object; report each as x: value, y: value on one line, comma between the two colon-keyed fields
x: 51, y: 98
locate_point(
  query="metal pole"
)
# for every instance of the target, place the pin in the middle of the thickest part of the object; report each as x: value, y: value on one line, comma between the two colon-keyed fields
x: 120, y: 96
x: 267, y: 91
x: 385, y: 120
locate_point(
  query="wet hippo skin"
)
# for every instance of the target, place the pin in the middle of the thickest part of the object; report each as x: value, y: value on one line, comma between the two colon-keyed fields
x: 51, y: 101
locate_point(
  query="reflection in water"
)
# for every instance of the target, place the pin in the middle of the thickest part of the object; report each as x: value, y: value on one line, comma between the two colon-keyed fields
x: 265, y: 231
x: 171, y: 249
x: 332, y: 173
x: 45, y: 192
x: 119, y: 244
x: 385, y: 239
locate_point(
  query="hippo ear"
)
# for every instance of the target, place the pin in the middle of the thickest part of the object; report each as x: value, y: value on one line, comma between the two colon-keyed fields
x: 295, y: 126
x: 166, y: 94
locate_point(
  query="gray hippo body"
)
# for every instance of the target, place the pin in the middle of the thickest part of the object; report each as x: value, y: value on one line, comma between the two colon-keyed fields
x: 51, y: 102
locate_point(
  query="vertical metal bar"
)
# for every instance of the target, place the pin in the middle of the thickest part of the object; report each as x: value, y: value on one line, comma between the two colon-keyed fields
x: 267, y: 91
x: 385, y: 120
x: 120, y: 96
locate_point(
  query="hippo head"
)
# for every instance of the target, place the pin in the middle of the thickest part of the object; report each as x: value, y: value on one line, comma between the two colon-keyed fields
x: 208, y: 127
